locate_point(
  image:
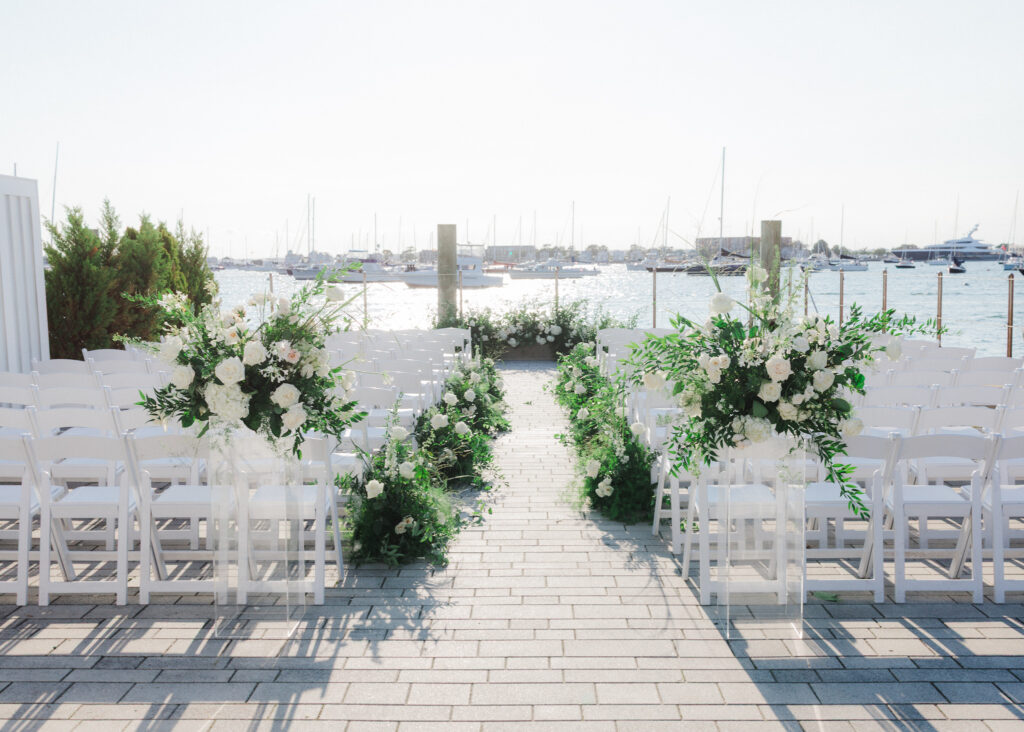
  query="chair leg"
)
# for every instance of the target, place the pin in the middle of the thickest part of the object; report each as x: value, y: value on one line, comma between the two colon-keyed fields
x: 977, y: 572
x: 659, y: 497
x: 45, y: 537
x: 675, y: 499
x: 998, y: 556
x: 900, y: 552
x: 145, y: 559
x: 24, y: 540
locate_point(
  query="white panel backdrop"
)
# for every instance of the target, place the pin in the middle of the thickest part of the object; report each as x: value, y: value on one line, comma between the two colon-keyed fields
x: 23, y: 330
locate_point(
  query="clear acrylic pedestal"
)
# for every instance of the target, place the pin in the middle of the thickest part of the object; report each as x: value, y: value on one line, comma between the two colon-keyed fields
x: 259, y: 566
x: 759, y: 545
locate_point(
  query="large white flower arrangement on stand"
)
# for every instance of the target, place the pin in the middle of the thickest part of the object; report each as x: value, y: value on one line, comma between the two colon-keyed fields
x: 756, y: 370
x: 264, y: 366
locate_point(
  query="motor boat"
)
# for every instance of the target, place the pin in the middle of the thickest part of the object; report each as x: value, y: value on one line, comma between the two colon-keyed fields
x: 905, y: 264
x: 956, y: 266
x: 891, y: 258
x: 549, y: 270
x: 470, y: 273
x: 965, y: 248
x: 1013, y: 262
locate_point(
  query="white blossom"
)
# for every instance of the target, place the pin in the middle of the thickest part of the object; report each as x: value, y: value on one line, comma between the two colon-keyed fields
x: 721, y: 304
x: 230, y: 371
x: 439, y: 421
x: 461, y: 428
x: 770, y: 391
x: 407, y: 470
x: 374, y: 488
x: 254, y: 353
x: 294, y: 418
x: 285, y: 395
x: 182, y: 377
x: 823, y: 380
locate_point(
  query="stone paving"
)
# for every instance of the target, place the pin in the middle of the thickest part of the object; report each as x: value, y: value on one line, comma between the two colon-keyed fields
x: 545, y: 619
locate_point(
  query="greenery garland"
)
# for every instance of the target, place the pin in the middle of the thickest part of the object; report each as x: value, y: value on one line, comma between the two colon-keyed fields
x: 615, y: 467
x: 402, y: 510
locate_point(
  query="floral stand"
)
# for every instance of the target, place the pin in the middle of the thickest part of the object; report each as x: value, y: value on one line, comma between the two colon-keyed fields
x: 259, y: 567
x: 757, y: 572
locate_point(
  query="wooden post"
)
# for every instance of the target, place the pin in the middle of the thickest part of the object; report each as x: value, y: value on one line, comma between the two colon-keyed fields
x: 938, y: 313
x: 885, y: 290
x: 446, y: 268
x: 366, y: 306
x: 1009, y: 318
x: 807, y: 291
x: 842, y: 285
x: 654, y: 297
x: 271, y: 276
x: 460, y: 294
x: 557, y: 269
x: 771, y: 255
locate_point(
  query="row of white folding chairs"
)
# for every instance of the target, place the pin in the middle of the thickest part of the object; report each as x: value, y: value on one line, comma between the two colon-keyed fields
x: 449, y: 340
x: 123, y: 500
x: 992, y: 377
x: 92, y: 366
x: 940, y: 396
x: 886, y: 471
x: 119, y: 392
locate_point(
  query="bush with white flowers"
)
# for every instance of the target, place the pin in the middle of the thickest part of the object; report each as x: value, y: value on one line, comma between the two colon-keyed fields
x: 263, y: 366
x: 403, y: 510
x: 613, y: 463
x: 533, y: 324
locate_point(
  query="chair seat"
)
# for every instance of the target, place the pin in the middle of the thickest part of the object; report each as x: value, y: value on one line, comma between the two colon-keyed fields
x: 10, y: 497
x: 1012, y: 497
x: 941, y: 494
x: 270, y: 501
x: 744, y: 499
x: 824, y: 494
x: 90, y: 501
x: 84, y: 469
x: 178, y: 498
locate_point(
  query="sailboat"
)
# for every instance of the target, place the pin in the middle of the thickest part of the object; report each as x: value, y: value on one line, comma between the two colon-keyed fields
x: 956, y: 265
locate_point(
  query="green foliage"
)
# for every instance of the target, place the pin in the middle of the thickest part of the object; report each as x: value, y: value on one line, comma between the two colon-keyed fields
x: 495, y: 333
x: 100, y: 285
x: 414, y: 516
x: 80, y: 294
x: 615, y: 466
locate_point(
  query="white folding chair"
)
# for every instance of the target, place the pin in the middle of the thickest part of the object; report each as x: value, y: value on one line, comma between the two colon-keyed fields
x: 65, y: 380
x: 1003, y: 502
x: 988, y: 377
x: 899, y: 396
x: 825, y: 507
x: 71, y: 396
x: 922, y: 378
x: 21, y: 381
x: 881, y: 421
x: 19, y: 503
x: 87, y: 505
x: 924, y: 502
x: 119, y: 366
x: 18, y: 396
x: 108, y: 354
x: 189, y: 501
x: 138, y: 382
x: 60, y: 366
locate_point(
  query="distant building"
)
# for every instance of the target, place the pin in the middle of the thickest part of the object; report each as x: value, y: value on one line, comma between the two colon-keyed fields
x: 738, y: 244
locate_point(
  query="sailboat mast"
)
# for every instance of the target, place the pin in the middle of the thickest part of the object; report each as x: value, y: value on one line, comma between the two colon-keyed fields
x: 664, y: 234
x: 721, y: 206
x: 53, y: 199
x: 572, y: 229
x: 842, y: 221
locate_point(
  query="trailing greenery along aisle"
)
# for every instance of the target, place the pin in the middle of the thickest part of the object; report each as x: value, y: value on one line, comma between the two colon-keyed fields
x: 403, y: 509
x: 615, y: 466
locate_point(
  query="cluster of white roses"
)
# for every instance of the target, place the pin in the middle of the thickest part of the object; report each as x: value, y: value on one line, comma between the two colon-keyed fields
x: 604, y: 488
x: 404, y: 525
x: 714, y: 366
x: 547, y: 334
x: 747, y: 430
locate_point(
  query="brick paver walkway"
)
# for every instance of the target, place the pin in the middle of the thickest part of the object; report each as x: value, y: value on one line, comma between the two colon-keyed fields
x: 545, y: 618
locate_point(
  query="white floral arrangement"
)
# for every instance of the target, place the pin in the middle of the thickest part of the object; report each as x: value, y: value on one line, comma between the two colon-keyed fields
x: 755, y: 371
x: 263, y: 366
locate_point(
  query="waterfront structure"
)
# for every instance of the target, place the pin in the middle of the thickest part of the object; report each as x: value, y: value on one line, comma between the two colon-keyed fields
x: 966, y: 248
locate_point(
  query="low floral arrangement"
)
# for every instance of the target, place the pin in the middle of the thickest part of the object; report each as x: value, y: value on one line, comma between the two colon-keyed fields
x: 494, y: 334
x: 613, y: 464
x: 264, y: 367
x: 757, y: 370
x: 403, y: 511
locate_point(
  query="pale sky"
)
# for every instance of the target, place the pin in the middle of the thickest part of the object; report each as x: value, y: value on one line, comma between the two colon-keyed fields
x: 448, y: 112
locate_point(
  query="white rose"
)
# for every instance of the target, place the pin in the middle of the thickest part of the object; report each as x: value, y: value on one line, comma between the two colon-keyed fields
x: 254, y: 353
x: 439, y: 421
x: 721, y: 304
x: 230, y: 370
x: 593, y: 468
x: 851, y: 427
x: 555, y: 330
x: 474, y: 378
x: 399, y: 433
x: 294, y: 418
x: 374, y: 488
x: 227, y: 402
x: 714, y: 375
x: 170, y: 348
x: 334, y: 293
x: 580, y: 389
x: 541, y: 340
x: 584, y: 413
x: 639, y: 429
x: 833, y: 331
x: 823, y: 380
x: 758, y: 430
x: 401, y: 527
x: 817, y: 360
x: 653, y: 381
x: 787, y: 411
x: 407, y: 470
x: 801, y: 344
x: 513, y: 342
x: 469, y: 395
x: 778, y: 368
x: 604, y: 488
x: 461, y: 428
x: 770, y: 391
x: 284, y: 306
x: 231, y: 335
x: 798, y: 399
x: 285, y: 396
x: 551, y: 339
x: 182, y: 377
x: 450, y: 399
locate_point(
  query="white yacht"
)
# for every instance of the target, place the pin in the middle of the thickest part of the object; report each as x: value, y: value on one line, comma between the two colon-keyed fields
x: 549, y: 269
x: 966, y: 248
x: 471, y: 269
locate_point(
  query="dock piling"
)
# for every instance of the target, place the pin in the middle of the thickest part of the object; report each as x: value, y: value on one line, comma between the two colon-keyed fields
x: 1009, y: 317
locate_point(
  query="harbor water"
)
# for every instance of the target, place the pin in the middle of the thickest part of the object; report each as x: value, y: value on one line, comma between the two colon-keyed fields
x: 974, y: 305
